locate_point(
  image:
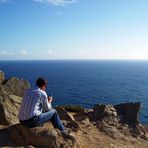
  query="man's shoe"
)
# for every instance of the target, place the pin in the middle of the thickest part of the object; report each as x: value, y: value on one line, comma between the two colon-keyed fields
x: 68, y: 130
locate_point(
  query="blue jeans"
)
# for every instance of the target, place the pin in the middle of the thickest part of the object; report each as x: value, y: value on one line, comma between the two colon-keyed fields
x: 51, y: 115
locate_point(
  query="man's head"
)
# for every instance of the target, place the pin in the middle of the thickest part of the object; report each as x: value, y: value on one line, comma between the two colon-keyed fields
x: 41, y: 83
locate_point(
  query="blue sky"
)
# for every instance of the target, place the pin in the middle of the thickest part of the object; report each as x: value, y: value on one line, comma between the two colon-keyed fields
x: 73, y: 29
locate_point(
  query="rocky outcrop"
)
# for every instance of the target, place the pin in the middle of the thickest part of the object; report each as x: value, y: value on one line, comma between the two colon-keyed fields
x: 11, y: 91
x: 125, y: 113
x: 42, y: 137
x: 105, y: 113
x: 84, y: 116
x: 9, y: 106
x: 68, y: 119
x: 13, y: 85
x: 16, y: 86
x: 2, y: 78
x: 119, y: 120
x: 128, y: 112
x: 115, y: 121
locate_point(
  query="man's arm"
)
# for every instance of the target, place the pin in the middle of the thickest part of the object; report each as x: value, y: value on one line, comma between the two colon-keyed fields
x: 49, y: 99
x: 46, y: 102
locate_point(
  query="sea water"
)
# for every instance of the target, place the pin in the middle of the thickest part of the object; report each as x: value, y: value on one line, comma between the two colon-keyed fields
x: 87, y: 82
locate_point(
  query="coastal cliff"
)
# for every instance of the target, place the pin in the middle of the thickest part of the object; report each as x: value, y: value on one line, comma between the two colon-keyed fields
x: 103, y: 126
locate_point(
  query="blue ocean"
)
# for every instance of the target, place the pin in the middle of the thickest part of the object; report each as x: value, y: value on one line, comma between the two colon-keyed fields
x: 87, y: 82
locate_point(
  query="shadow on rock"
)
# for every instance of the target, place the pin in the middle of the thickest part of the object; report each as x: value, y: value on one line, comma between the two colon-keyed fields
x: 5, y: 138
x: 18, y: 135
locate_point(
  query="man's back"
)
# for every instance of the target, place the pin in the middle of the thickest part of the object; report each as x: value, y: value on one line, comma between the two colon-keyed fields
x: 32, y: 103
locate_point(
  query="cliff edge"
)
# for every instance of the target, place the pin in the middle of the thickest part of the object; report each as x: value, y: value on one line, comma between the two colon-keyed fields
x: 104, y: 126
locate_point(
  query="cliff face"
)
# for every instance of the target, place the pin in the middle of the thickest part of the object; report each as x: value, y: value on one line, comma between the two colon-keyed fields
x: 11, y: 91
x: 1, y: 77
x: 104, y: 126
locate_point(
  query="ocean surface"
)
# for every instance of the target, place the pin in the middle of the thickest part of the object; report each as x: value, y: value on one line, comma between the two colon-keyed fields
x: 86, y: 82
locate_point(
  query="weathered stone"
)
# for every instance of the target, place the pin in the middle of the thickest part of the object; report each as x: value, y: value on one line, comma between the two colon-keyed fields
x: 128, y: 112
x: 86, y: 121
x: 64, y: 115
x: 9, y: 106
x: 105, y: 113
x: 2, y: 90
x: 109, y: 130
x: 16, y: 86
x: 84, y: 115
x: 73, y: 125
x: 137, y: 130
x: 2, y: 78
x: 39, y: 137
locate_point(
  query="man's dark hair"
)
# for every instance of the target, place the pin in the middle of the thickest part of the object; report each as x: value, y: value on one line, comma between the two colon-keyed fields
x: 41, y: 82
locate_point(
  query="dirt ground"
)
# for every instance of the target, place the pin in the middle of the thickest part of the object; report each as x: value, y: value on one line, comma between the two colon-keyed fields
x: 91, y: 137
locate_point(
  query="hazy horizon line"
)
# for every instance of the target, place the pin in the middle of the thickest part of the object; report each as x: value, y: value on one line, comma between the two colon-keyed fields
x: 73, y: 59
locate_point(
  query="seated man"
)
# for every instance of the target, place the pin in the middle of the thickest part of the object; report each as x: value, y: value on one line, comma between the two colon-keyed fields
x: 36, y: 107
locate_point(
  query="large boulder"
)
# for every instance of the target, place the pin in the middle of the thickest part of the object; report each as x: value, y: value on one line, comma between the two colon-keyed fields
x: 16, y: 86
x: 9, y: 106
x: 105, y: 113
x: 2, y: 78
x: 128, y: 112
x: 42, y: 137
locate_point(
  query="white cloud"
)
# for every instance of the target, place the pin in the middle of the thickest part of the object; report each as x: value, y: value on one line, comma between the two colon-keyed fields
x: 57, y: 2
x: 50, y: 52
x: 24, y: 52
x: 4, y: 52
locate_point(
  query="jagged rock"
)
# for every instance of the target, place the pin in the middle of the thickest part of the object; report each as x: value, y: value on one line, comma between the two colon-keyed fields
x: 64, y: 115
x: 86, y: 121
x: 16, y: 86
x: 109, y: 130
x: 105, y: 113
x: 2, y: 78
x: 128, y: 112
x: 9, y: 106
x: 2, y: 90
x: 42, y: 137
x: 82, y: 116
x: 120, y: 120
x: 73, y: 125
x: 122, y: 131
x: 137, y: 130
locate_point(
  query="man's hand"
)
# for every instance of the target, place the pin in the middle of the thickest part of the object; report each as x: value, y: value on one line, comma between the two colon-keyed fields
x: 49, y: 99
